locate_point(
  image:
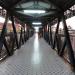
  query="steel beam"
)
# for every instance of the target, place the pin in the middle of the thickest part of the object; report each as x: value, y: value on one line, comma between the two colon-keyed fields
x: 24, y: 34
x: 21, y: 41
x: 48, y: 35
x: 13, y: 45
x: 70, y: 50
x: 58, y: 43
x: 14, y: 30
x: 56, y: 33
x: 2, y: 37
x: 61, y: 53
x: 51, y: 39
x: 20, y: 38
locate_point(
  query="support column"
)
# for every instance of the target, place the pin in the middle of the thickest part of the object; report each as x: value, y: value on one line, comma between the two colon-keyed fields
x: 48, y: 35
x: 51, y: 40
x: 43, y: 31
x: 63, y: 48
x: 70, y: 50
x: 20, y: 41
x: 24, y: 34
x: 2, y: 37
x: 14, y: 29
x: 56, y: 33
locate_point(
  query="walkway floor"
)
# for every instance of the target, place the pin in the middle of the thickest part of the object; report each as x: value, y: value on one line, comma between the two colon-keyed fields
x: 35, y: 58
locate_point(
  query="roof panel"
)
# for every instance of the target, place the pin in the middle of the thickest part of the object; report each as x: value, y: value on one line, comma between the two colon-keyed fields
x: 60, y: 4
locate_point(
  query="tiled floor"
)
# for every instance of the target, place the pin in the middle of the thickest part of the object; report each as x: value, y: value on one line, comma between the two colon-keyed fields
x: 35, y: 58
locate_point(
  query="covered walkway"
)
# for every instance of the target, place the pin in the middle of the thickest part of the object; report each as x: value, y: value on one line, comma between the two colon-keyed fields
x: 30, y: 54
x: 35, y: 57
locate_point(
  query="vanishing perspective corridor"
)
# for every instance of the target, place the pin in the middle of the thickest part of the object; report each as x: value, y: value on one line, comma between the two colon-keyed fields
x: 35, y: 57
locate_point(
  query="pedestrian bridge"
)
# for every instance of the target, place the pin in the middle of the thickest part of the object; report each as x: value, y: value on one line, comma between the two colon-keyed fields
x: 49, y: 51
x: 35, y: 57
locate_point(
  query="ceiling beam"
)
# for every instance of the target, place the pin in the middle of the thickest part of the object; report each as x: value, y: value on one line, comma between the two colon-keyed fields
x: 68, y: 6
x: 15, y: 3
x: 20, y: 9
x: 57, y: 6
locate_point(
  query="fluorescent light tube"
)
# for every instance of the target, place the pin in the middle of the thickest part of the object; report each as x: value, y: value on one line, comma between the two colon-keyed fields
x: 34, y: 11
x: 36, y: 23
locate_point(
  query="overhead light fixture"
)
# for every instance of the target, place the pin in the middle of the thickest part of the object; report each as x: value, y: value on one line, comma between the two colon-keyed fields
x: 34, y: 11
x: 36, y: 23
x: 36, y: 29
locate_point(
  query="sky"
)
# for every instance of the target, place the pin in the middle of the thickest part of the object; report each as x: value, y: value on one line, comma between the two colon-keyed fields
x: 70, y: 22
